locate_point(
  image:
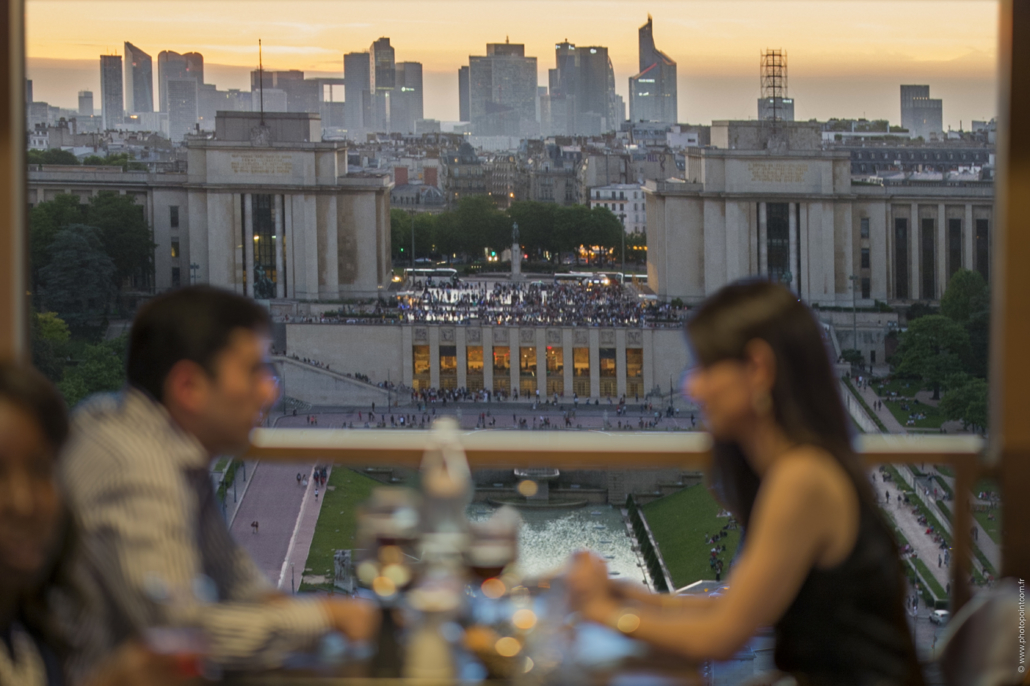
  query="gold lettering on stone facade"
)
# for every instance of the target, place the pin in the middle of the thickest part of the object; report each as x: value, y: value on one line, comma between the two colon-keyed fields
x: 275, y: 163
x: 778, y: 172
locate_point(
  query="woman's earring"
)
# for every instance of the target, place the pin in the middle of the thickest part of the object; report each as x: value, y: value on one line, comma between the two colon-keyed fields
x: 762, y: 402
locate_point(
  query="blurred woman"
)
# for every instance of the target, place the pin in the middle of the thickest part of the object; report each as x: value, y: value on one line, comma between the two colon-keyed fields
x: 819, y: 563
x: 35, y: 539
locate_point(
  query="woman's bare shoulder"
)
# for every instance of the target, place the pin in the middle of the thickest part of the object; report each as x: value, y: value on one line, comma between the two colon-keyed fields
x: 808, y: 468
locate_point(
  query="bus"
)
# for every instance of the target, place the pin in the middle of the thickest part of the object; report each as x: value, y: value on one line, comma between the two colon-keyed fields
x: 573, y: 277
x: 439, y: 273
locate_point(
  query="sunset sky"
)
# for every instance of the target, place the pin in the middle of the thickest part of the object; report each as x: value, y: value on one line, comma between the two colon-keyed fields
x: 846, y: 58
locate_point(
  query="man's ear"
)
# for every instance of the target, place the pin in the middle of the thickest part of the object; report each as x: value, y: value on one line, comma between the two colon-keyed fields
x: 186, y: 387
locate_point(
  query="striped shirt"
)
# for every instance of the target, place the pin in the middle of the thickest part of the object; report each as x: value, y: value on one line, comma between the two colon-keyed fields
x: 154, y: 548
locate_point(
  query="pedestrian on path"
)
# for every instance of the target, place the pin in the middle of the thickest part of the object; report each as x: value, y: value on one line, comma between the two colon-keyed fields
x: 316, y: 500
x: 938, y: 560
x: 254, y: 526
x: 299, y: 477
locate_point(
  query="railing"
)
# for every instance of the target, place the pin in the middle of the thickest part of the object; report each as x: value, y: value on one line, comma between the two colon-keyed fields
x: 649, y: 548
x: 602, y: 450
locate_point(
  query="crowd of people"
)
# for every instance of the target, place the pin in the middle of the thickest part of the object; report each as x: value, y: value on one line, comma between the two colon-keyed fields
x: 535, y: 303
x: 566, y: 303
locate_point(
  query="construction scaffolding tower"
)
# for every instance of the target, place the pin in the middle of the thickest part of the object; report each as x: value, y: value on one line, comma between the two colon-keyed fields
x: 774, y: 80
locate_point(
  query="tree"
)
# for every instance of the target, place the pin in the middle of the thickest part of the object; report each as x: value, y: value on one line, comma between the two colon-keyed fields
x: 606, y: 230
x: 479, y: 225
x: 124, y: 160
x: 78, y: 283
x: 965, y: 292
x: 933, y: 348
x: 636, y: 247
x: 853, y: 356
x: 966, y: 401
x: 50, y: 337
x: 121, y: 226
x: 101, y: 370
x: 45, y: 220
x: 54, y: 156
x: 536, y: 226
x: 126, y: 236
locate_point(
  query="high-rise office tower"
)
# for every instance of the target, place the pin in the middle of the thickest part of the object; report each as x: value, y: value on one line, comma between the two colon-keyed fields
x: 139, y: 80
x: 616, y: 105
x: 463, y: 94
x: 407, y: 105
x: 111, y: 100
x: 384, y: 79
x: 579, y: 91
x: 921, y: 114
x: 357, y: 92
x: 86, y: 103
x: 502, y: 91
x: 301, y: 94
x: 172, y: 65
x: 183, y: 107
x: 653, y: 92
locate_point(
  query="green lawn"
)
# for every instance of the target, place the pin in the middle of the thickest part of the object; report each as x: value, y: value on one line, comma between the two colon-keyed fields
x: 934, y: 417
x: 991, y: 526
x: 903, y: 387
x: 337, y: 521
x: 679, y: 523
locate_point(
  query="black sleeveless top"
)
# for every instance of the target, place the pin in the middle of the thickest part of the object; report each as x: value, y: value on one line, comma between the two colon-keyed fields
x: 847, y: 625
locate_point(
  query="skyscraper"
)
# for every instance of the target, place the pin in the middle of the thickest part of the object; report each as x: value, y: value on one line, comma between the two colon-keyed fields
x: 183, y: 107
x: 463, y: 94
x: 579, y: 90
x: 301, y: 94
x: 653, y: 91
x: 111, y: 100
x: 86, y: 103
x: 407, y: 105
x: 139, y: 80
x: 172, y: 65
x: 502, y: 91
x: 921, y: 114
x: 384, y: 78
x: 357, y: 92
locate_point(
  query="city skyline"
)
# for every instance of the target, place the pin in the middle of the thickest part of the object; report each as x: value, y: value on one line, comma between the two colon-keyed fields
x: 844, y: 72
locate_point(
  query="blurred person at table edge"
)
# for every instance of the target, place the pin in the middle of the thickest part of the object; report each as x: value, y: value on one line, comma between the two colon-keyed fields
x: 818, y: 562
x: 154, y: 550
x: 36, y: 539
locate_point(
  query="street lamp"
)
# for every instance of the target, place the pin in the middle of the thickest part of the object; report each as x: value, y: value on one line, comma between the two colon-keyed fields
x: 854, y: 313
x: 413, y: 239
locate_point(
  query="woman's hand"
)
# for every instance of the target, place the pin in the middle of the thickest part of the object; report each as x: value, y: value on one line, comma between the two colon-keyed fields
x: 587, y: 580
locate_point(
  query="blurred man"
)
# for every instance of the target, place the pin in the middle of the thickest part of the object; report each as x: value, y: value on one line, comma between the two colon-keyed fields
x: 155, y: 551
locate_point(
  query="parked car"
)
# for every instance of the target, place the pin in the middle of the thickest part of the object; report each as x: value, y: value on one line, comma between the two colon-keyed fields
x: 940, y: 617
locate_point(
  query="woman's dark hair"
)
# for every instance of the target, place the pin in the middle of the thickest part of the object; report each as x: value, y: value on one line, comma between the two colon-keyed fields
x: 31, y: 392
x: 194, y: 323
x: 806, y: 403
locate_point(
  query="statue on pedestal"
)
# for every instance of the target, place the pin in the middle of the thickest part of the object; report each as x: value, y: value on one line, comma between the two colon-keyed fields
x: 516, y: 253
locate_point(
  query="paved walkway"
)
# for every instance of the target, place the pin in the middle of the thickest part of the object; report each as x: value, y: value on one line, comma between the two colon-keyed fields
x: 914, y: 532
x: 234, y: 496
x: 888, y: 419
x: 274, y: 501
x: 300, y: 545
x: 983, y: 541
x: 502, y: 416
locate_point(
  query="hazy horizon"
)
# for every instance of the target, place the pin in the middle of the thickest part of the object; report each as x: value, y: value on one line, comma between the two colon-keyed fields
x: 846, y: 58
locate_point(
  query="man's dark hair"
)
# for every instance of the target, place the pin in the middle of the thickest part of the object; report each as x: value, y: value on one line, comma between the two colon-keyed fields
x: 194, y: 324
